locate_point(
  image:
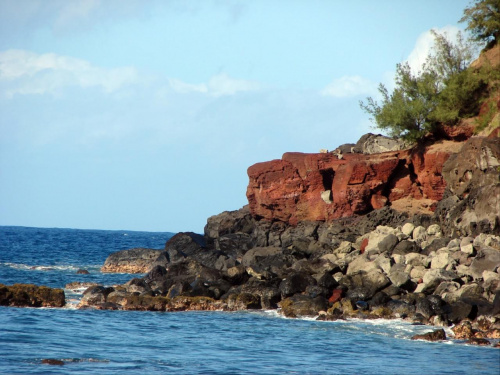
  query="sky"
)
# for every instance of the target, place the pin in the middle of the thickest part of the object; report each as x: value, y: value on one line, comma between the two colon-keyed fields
x: 145, y: 115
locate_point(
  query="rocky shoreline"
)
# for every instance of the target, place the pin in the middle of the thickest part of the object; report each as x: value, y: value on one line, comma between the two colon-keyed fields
x: 399, y: 269
x: 435, y: 262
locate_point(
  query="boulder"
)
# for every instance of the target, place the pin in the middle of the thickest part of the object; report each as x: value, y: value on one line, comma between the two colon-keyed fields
x: 364, y: 285
x: 487, y: 259
x: 441, y: 260
x: 296, y: 282
x: 461, y: 310
x: 361, y: 264
x: 433, y: 278
x: 416, y: 259
x: 268, y: 292
x: 243, y: 301
x: 400, y: 309
x: 467, y: 246
x: 407, y: 229
x: 405, y: 247
x: 302, y: 305
x: 95, y: 295
x: 192, y: 245
x: 377, y: 143
x: 399, y: 278
x: 138, y: 260
x: 438, y: 335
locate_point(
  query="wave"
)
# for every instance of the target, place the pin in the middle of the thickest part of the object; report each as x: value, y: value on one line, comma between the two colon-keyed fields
x: 397, y: 328
x: 55, y: 267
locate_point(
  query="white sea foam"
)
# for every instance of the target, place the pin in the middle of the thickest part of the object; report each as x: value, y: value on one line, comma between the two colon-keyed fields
x: 56, y: 267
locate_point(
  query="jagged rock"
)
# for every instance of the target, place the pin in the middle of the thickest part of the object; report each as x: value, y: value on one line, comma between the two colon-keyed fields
x: 138, y: 260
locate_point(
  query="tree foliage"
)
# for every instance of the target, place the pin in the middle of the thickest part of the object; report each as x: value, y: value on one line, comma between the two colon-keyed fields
x: 483, y: 20
x: 441, y: 93
x: 405, y: 112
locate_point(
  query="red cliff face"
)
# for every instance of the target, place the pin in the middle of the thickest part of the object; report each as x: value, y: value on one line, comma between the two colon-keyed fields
x: 322, y: 187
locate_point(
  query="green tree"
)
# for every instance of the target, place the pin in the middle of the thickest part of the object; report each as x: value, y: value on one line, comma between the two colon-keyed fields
x: 483, y: 21
x: 442, y: 92
x: 405, y: 112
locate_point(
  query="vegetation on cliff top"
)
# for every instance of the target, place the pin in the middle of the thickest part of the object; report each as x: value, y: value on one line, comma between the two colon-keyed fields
x: 447, y: 88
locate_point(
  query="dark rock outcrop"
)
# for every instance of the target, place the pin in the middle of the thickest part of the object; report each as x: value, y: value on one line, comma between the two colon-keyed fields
x: 29, y: 295
x: 137, y: 260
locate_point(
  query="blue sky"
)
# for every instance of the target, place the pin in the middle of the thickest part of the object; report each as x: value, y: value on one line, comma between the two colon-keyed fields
x: 145, y: 115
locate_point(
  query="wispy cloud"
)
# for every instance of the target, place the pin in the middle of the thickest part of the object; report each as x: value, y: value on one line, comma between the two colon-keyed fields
x: 218, y: 85
x: 25, y: 72
x: 349, y: 86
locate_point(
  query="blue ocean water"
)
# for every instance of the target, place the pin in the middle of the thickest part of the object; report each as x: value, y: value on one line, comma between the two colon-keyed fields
x: 111, y: 342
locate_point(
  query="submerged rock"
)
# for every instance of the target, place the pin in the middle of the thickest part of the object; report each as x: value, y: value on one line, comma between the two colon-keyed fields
x: 438, y: 335
x: 138, y: 260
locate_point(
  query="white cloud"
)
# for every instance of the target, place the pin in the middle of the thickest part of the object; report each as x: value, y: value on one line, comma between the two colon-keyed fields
x: 424, y: 45
x: 222, y: 84
x: 25, y: 72
x: 183, y: 88
x: 349, y: 86
x: 218, y: 85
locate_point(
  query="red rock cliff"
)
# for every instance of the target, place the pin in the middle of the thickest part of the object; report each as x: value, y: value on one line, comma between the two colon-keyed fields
x: 322, y: 187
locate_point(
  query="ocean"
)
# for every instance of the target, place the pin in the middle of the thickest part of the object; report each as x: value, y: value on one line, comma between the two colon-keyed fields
x: 257, y: 342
